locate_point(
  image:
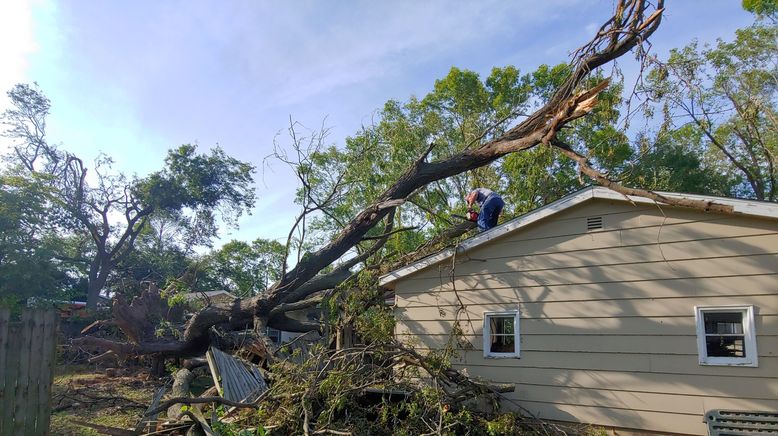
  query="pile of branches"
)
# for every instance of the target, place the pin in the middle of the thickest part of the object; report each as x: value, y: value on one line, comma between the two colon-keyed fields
x: 383, y: 388
x: 379, y: 388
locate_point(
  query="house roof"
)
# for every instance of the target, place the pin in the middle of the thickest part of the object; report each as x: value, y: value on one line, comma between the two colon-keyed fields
x: 745, y: 207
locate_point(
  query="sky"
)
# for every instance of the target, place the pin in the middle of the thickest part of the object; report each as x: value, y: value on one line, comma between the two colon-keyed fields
x: 134, y: 79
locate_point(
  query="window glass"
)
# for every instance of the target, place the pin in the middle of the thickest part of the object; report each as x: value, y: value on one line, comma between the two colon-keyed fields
x: 274, y: 335
x: 502, y: 334
x: 724, y: 334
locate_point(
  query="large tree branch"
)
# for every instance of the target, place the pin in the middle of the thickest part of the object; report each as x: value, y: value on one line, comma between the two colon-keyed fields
x: 343, y: 272
x: 586, y: 168
x: 297, y: 305
x: 560, y: 109
x: 128, y: 349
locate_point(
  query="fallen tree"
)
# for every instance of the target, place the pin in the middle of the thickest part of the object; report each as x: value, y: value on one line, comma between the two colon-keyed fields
x: 633, y: 22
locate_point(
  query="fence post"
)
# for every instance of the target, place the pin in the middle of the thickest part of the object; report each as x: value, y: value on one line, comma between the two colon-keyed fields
x: 37, y: 337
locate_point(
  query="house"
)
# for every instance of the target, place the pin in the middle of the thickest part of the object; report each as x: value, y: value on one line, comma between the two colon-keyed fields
x: 610, y: 311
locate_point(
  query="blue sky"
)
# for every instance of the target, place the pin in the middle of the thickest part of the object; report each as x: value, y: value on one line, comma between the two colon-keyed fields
x: 133, y: 79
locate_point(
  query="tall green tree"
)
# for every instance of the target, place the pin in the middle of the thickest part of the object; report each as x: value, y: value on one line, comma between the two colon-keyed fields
x: 30, y: 262
x: 676, y: 160
x: 726, y: 94
x: 192, y: 185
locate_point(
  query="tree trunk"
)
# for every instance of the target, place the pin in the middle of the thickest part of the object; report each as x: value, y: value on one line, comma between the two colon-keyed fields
x: 98, y: 276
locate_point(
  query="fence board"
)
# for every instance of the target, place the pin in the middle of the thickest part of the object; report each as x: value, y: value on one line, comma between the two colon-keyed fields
x: 5, y: 317
x: 11, y: 376
x: 47, y: 372
x: 23, y: 382
x: 37, y: 332
x: 27, y: 350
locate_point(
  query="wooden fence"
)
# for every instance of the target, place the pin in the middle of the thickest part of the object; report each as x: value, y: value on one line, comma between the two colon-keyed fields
x: 27, y: 350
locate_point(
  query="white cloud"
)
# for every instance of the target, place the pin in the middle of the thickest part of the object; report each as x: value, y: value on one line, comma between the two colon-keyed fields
x: 300, y: 53
x: 16, y: 32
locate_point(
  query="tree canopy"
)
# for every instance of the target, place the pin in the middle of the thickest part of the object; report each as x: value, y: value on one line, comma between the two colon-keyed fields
x: 106, y: 210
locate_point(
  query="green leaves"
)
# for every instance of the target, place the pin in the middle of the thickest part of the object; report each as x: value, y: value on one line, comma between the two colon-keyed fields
x: 200, y: 181
x: 762, y: 8
x: 28, y: 247
x: 727, y: 92
x: 245, y: 269
x: 94, y: 203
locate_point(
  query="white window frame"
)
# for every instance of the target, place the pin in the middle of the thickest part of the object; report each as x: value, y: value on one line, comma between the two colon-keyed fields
x: 749, y: 336
x: 487, y: 334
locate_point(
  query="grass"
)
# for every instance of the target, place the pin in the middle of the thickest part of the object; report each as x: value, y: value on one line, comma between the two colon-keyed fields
x: 91, y: 396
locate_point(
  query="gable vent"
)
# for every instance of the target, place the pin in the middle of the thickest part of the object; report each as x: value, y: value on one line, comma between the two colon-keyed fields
x: 594, y: 223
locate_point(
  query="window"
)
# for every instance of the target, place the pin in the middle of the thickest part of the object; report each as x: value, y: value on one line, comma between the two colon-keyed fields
x: 274, y: 335
x: 726, y: 335
x: 501, y: 334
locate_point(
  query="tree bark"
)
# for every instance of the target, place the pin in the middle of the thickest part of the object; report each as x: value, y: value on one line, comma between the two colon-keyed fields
x: 98, y: 276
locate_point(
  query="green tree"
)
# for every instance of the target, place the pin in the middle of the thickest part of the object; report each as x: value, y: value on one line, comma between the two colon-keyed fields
x: 164, y: 249
x: 461, y: 112
x: 762, y: 8
x: 191, y: 185
x: 726, y: 94
x: 676, y: 161
x: 245, y: 269
x: 29, y: 264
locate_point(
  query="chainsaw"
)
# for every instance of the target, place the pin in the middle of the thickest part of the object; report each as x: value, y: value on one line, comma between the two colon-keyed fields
x: 472, y: 215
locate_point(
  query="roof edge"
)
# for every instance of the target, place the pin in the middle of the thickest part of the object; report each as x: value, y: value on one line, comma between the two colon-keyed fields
x: 745, y: 207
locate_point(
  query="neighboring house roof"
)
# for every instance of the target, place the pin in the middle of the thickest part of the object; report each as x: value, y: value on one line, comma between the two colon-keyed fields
x: 744, y: 207
x: 191, y: 296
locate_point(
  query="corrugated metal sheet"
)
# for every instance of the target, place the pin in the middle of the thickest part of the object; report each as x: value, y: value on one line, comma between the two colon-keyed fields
x: 235, y: 379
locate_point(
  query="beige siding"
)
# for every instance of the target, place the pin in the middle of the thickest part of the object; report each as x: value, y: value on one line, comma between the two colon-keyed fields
x: 766, y: 325
x: 607, y: 317
x: 593, y: 343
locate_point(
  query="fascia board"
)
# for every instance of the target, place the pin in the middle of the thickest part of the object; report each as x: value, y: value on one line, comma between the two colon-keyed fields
x: 745, y: 207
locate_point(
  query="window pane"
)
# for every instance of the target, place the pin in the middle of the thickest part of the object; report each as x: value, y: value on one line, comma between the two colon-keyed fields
x: 502, y: 344
x: 502, y: 325
x: 274, y: 335
x: 723, y: 323
x: 725, y: 346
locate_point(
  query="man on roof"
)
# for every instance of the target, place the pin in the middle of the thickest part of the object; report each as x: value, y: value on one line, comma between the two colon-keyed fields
x: 491, y: 205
